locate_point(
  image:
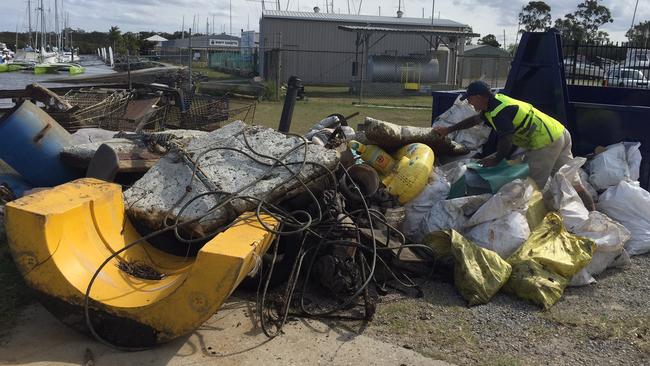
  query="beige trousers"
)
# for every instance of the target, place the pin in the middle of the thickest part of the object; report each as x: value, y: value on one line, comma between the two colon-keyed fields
x: 546, y: 161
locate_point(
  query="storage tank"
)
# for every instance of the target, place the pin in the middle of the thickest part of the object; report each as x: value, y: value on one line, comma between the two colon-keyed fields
x: 392, y: 69
x: 30, y: 142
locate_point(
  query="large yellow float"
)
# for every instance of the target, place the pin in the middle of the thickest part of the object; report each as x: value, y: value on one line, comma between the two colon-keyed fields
x: 59, y: 237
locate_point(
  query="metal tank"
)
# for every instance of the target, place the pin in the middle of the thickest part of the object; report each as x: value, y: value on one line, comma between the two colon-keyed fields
x: 392, y: 69
x: 30, y: 142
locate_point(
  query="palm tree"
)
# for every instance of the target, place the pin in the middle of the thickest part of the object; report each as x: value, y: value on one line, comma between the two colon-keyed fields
x: 115, y: 35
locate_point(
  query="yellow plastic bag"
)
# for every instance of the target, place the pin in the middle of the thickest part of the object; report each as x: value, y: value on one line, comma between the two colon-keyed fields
x: 545, y: 263
x: 478, y: 273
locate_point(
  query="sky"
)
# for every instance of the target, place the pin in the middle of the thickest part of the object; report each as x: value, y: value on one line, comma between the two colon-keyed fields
x: 485, y: 16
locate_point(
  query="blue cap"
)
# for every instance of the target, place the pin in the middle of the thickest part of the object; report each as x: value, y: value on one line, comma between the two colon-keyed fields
x: 477, y: 87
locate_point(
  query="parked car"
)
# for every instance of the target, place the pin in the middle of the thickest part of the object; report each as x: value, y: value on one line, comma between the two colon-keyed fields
x: 626, y: 77
x: 582, y: 70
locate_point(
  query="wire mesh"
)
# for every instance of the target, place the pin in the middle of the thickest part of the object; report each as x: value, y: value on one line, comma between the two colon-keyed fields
x: 94, y: 107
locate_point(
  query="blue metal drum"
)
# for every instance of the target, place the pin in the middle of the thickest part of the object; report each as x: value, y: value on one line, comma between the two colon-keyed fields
x: 30, y: 142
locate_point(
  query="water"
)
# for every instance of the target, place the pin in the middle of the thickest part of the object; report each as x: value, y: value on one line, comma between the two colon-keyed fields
x: 20, y: 79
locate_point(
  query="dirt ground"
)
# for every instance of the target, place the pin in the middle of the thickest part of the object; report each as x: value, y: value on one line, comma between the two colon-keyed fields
x: 230, y: 337
x: 604, y: 323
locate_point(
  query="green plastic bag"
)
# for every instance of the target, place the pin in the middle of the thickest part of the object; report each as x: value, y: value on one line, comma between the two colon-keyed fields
x: 479, y: 180
x: 543, y: 266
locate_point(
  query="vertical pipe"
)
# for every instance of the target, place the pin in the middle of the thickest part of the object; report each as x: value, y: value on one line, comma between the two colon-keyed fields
x: 294, y: 84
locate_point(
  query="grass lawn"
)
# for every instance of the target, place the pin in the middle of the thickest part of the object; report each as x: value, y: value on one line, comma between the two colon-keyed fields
x: 307, y: 113
x: 325, y: 100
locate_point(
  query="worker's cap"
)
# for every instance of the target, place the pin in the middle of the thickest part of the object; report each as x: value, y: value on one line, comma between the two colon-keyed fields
x: 477, y: 87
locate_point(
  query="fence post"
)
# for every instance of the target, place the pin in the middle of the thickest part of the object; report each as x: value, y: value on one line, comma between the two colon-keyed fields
x: 575, y: 63
x: 128, y: 67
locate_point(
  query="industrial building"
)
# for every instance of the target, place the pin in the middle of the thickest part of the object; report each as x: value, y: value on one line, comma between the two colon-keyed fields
x: 486, y: 62
x: 203, y: 46
x: 345, y: 49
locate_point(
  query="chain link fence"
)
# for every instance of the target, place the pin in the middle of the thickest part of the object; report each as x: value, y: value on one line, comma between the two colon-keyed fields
x: 492, y: 70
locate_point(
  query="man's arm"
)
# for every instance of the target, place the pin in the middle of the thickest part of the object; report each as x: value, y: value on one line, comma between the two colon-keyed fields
x: 504, y: 145
x: 462, y: 125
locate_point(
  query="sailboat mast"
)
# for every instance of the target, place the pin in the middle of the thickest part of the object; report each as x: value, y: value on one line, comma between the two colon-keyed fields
x: 29, y: 17
x: 43, y: 28
x: 56, y: 24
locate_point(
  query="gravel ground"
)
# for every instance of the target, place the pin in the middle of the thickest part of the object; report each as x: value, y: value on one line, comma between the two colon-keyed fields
x: 604, y: 323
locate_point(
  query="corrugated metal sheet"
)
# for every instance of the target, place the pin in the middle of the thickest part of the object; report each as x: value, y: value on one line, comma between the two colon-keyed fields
x: 350, y: 18
x: 430, y: 31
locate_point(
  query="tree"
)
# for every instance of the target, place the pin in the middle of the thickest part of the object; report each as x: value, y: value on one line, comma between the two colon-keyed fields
x: 491, y: 40
x: 536, y: 16
x: 131, y: 43
x: 115, y: 36
x: 640, y: 34
x: 512, y: 48
x: 584, y: 24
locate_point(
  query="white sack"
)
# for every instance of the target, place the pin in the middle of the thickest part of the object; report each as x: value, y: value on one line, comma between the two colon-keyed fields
x: 503, y: 235
x: 559, y: 194
x: 436, y: 190
x: 584, y: 178
x: 472, y: 138
x: 610, y: 238
x: 455, y: 170
x: 513, y: 196
x: 629, y: 204
x: 449, y: 214
x: 618, y: 162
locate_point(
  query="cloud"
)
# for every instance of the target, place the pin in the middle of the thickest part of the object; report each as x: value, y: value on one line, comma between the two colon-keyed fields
x: 486, y: 16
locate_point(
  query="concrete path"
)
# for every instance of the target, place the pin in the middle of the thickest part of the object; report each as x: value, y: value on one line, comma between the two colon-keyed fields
x: 230, y: 337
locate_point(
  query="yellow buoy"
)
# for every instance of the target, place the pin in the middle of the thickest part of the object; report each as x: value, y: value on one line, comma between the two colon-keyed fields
x: 405, y: 173
x: 59, y: 237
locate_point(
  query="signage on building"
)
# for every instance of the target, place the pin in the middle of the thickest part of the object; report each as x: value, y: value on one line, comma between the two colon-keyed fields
x: 224, y: 43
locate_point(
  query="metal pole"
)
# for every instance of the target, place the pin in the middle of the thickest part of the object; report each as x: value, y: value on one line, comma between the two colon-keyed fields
x: 433, y: 10
x: 293, y: 86
x: 29, y: 16
x: 634, y: 15
x: 128, y: 67
x: 190, y: 62
x: 364, y: 71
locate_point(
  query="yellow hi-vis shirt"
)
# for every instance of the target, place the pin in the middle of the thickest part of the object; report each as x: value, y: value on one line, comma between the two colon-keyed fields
x: 534, y: 129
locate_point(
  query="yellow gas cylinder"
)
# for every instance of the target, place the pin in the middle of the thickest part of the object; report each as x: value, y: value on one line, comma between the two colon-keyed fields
x: 405, y: 173
x: 411, y: 173
x: 375, y: 156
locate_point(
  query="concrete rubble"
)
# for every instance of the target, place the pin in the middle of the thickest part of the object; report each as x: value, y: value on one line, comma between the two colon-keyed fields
x: 85, y: 151
x: 164, y: 189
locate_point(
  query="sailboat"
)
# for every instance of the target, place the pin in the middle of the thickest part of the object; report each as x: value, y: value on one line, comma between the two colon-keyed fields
x: 54, y: 59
